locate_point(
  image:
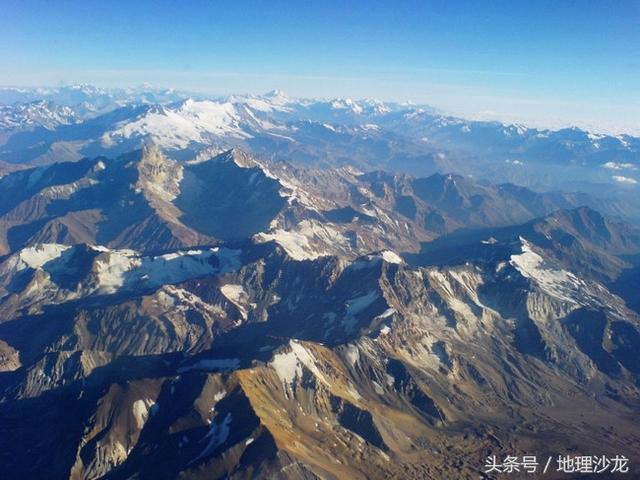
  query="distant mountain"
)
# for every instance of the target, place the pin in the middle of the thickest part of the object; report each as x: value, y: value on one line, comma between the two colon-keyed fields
x: 88, y: 100
x: 367, y: 134
x: 35, y: 114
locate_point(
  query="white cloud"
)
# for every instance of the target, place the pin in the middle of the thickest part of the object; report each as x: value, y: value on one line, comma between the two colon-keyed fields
x: 626, y: 180
x: 619, y: 166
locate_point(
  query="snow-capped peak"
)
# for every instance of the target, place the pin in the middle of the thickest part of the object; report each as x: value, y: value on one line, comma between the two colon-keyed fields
x: 277, y: 95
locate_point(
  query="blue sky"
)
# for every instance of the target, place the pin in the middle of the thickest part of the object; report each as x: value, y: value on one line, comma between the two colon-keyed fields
x: 541, y: 62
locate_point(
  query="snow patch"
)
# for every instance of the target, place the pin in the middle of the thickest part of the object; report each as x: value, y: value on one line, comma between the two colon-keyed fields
x: 217, y: 435
x: 140, y: 410
x: 117, y: 269
x: 558, y: 283
x: 387, y: 313
x: 355, y: 306
x: 295, y: 244
x: 37, y: 256
x: 353, y: 354
x: 385, y: 330
x: 288, y: 366
x: 213, y: 364
x: 358, y: 304
x: 391, y: 257
x: 300, y: 244
x: 237, y: 295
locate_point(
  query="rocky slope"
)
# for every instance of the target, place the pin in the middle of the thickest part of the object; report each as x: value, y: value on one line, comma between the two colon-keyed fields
x: 149, y: 202
x: 230, y: 317
x: 373, y: 368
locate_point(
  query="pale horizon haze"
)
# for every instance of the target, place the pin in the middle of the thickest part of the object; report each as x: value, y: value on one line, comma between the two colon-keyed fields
x: 544, y: 64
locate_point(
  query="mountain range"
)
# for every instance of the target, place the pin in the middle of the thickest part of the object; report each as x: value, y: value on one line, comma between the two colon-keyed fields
x: 367, y: 134
x: 261, y: 287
